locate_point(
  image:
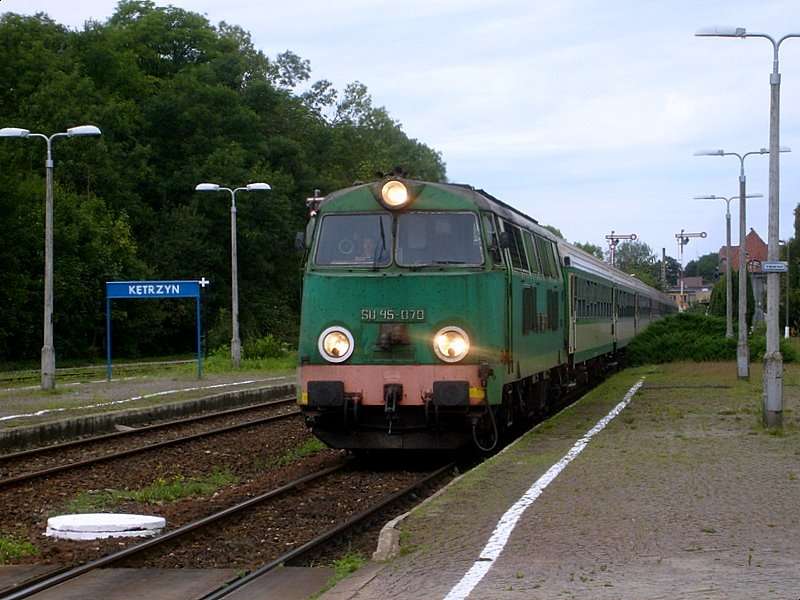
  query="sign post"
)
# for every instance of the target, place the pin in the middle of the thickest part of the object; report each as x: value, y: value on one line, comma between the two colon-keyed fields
x: 153, y: 290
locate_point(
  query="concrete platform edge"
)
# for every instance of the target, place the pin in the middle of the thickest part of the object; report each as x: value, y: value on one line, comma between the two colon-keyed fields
x: 388, y: 546
x: 64, y: 429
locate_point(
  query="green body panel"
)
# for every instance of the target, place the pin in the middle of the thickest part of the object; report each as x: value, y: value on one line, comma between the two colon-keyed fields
x: 535, y: 351
x: 472, y: 300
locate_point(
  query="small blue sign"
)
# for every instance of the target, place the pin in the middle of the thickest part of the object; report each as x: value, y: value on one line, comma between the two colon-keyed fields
x: 152, y: 289
x: 159, y: 290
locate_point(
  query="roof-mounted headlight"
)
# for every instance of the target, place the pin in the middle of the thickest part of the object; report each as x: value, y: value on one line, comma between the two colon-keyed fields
x: 395, y: 194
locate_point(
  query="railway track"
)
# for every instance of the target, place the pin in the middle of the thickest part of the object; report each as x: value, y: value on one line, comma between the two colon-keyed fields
x: 26, y: 476
x: 53, y: 578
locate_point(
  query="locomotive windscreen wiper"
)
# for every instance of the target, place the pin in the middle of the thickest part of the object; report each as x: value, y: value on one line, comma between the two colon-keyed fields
x: 379, y: 252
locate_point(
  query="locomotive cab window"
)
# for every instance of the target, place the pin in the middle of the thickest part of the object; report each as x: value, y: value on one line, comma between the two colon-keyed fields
x: 438, y: 239
x: 355, y: 240
x: 516, y: 251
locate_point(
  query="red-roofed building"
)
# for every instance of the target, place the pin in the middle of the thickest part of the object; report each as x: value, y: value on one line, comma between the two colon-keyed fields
x: 755, y: 247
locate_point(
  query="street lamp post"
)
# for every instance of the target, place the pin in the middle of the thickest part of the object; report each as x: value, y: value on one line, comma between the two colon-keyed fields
x: 742, y: 349
x: 48, y: 372
x: 728, y: 282
x: 773, y: 361
x: 236, y: 342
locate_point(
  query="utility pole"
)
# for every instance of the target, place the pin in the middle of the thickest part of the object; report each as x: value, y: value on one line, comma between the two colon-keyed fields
x: 614, y: 239
x: 664, y: 267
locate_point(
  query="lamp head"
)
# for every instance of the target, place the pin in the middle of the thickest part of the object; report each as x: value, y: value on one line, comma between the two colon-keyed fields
x: 719, y: 152
x: 14, y: 132
x: 83, y: 130
x: 255, y: 187
x: 206, y: 187
x: 718, y: 31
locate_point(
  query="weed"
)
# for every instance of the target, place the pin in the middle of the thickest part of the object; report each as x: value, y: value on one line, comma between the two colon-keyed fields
x: 308, y: 448
x: 162, y: 490
x: 708, y: 530
x: 12, y: 548
x: 342, y: 567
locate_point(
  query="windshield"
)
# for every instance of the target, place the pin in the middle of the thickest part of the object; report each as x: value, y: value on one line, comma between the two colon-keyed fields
x: 362, y: 240
x: 438, y: 239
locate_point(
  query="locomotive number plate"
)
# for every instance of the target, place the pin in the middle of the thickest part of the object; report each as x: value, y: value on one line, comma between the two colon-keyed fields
x: 401, y: 315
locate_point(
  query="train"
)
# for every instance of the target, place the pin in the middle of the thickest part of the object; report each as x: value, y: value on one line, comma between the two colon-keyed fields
x: 436, y: 316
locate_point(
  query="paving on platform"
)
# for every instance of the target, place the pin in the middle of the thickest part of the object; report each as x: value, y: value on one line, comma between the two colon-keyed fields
x: 681, y: 495
x: 29, y: 405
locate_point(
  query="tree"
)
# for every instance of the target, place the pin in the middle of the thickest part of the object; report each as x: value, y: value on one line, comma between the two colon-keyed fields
x: 707, y: 267
x: 718, y: 302
x: 179, y: 101
x: 554, y: 230
x: 591, y: 248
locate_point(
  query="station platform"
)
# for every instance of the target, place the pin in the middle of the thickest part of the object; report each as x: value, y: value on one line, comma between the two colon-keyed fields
x: 89, y: 406
x: 682, y: 494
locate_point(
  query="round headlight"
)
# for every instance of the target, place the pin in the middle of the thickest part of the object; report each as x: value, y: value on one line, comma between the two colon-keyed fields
x: 451, y: 344
x: 336, y: 344
x: 394, y: 194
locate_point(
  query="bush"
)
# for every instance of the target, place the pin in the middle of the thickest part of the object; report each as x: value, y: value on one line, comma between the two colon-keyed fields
x: 265, y: 347
x: 695, y: 337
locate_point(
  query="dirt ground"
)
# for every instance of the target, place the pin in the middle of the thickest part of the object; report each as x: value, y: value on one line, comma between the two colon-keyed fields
x: 683, y: 495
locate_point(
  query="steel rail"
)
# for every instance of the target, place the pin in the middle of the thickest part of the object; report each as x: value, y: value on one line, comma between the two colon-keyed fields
x: 140, y: 449
x: 146, y: 429
x: 49, y: 580
x: 325, y: 536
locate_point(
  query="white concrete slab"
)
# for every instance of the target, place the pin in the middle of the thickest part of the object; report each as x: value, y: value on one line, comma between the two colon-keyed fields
x: 91, y: 526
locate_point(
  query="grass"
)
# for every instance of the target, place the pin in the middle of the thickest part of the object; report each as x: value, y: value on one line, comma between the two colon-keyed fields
x: 308, y: 448
x: 13, y: 548
x: 342, y: 567
x: 161, y: 491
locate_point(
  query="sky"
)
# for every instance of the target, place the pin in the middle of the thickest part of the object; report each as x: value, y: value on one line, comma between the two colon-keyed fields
x: 584, y: 114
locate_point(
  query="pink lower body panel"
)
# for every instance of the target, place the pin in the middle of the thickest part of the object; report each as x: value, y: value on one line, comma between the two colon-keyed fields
x: 368, y: 380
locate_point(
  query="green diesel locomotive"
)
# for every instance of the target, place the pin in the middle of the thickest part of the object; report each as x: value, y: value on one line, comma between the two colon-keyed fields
x: 435, y: 315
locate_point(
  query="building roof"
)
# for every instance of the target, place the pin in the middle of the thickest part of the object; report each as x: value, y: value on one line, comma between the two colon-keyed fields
x: 755, y: 247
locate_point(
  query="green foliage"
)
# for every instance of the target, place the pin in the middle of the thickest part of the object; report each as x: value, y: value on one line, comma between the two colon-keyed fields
x: 342, y: 567
x: 265, y: 347
x: 160, y: 491
x: 693, y: 337
x: 682, y: 337
x: 707, y: 267
x: 758, y: 345
x: 591, y: 248
x: 179, y: 101
x: 308, y: 448
x: 13, y: 548
x: 554, y: 230
x: 716, y: 306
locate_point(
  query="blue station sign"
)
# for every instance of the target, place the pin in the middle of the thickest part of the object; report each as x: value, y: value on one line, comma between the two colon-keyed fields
x: 152, y: 289
x: 158, y: 290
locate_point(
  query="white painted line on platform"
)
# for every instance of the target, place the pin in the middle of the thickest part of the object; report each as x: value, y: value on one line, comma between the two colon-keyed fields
x: 39, y: 413
x: 505, y: 526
